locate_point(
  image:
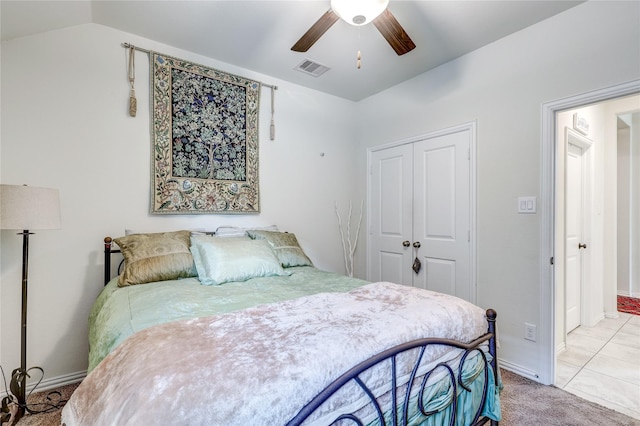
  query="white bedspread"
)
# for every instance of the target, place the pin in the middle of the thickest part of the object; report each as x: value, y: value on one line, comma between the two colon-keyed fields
x: 260, y: 366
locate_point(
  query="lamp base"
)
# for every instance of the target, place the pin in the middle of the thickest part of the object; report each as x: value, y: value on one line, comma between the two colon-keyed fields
x: 14, y: 406
x: 9, y: 412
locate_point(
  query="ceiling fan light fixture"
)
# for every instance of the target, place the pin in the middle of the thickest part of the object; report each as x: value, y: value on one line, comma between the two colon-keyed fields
x: 358, y: 12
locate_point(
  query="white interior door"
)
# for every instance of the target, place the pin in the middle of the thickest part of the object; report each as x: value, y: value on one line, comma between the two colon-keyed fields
x: 441, y: 223
x: 391, y: 215
x: 573, y: 228
x: 576, y: 224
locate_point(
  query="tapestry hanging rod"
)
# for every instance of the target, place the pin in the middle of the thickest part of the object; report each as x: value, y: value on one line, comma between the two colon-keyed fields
x: 133, y: 101
x: 140, y: 49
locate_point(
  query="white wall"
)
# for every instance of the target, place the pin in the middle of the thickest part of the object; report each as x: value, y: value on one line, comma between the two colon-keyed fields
x: 593, y: 257
x: 624, y: 210
x: 64, y: 96
x: 502, y: 86
x: 624, y: 223
x: 64, y: 110
x: 1, y: 363
x: 631, y: 285
x: 634, y: 291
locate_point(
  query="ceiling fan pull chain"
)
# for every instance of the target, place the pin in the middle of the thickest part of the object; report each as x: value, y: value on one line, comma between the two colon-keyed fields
x: 272, y: 128
x: 359, y: 56
x: 133, y: 102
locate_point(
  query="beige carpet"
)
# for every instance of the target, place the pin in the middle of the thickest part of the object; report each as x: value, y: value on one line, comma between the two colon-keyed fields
x: 46, y: 419
x: 523, y: 402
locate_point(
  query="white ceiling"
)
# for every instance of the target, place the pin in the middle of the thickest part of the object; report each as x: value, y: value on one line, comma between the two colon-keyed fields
x: 258, y: 35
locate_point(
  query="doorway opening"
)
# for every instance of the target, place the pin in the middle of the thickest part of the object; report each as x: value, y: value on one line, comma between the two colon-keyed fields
x: 592, y: 189
x: 587, y: 123
x: 552, y: 254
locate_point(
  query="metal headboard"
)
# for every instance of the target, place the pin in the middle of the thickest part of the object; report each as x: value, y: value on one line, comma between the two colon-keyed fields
x: 107, y: 259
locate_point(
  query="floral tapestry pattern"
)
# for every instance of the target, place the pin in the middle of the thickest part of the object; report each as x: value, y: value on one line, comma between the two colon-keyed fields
x: 205, y: 139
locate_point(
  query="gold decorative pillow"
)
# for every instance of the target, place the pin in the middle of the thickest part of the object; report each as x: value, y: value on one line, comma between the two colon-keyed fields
x: 285, y: 246
x: 155, y: 257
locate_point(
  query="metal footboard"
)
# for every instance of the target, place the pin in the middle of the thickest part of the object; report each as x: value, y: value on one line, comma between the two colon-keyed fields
x: 398, y: 412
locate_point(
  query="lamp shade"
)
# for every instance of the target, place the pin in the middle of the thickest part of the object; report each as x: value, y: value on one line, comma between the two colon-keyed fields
x: 358, y: 12
x: 29, y: 207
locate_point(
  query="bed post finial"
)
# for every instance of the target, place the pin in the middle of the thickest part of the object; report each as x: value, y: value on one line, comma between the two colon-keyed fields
x: 491, y: 322
x: 107, y: 259
x: 491, y: 315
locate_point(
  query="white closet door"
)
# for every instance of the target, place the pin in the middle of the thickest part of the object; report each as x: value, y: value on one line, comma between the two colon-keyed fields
x: 442, y: 214
x: 391, y: 186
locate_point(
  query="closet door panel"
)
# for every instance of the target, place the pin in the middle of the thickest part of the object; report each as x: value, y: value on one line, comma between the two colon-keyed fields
x: 442, y: 213
x: 440, y: 275
x: 391, y: 186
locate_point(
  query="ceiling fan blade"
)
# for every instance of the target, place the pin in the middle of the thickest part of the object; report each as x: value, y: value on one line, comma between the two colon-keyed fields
x: 393, y: 32
x: 315, y: 32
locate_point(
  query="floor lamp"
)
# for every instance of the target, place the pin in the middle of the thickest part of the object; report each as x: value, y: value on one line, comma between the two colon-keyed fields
x: 25, y: 208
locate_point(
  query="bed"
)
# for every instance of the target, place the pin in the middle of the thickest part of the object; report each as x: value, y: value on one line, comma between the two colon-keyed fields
x: 241, y: 329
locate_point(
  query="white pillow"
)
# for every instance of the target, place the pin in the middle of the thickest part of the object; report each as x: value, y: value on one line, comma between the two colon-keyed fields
x: 128, y: 231
x: 234, y: 231
x: 220, y: 260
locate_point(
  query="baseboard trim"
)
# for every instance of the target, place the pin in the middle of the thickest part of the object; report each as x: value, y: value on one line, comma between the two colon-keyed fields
x: 56, y: 382
x: 519, y: 370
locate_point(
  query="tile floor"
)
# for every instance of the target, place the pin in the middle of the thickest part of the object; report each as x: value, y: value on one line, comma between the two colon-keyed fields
x: 602, y: 364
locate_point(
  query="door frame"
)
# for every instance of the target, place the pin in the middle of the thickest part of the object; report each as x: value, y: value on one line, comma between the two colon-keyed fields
x: 471, y: 127
x: 547, y: 350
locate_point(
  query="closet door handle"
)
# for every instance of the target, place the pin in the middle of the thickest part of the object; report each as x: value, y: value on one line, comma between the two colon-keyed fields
x: 416, y: 244
x: 406, y: 243
x: 582, y: 246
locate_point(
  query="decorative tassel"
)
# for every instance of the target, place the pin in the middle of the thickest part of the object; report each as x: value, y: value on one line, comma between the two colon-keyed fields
x: 272, y: 128
x: 133, y: 103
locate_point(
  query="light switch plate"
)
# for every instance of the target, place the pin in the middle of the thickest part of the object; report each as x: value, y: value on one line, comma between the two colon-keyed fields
x: 527, y: 205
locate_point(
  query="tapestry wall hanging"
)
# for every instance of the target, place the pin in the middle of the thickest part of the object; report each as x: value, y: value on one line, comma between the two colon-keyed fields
x: 205, y: 139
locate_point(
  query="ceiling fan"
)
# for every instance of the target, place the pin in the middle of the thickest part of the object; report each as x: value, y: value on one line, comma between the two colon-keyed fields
x: 358, y: 13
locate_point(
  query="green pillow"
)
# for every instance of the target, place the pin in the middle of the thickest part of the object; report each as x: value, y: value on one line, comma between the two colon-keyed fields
x: 155, y: 257
x: 285, y: 246
x: 219, y: 260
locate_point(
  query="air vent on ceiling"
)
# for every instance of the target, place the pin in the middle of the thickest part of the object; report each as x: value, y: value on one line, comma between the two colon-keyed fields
x: 312, y: 68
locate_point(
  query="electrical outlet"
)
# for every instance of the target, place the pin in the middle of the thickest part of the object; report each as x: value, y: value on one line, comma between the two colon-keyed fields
x: 530, y: 332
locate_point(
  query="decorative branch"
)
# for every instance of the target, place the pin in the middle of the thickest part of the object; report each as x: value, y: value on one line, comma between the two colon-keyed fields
x: 349, y: 246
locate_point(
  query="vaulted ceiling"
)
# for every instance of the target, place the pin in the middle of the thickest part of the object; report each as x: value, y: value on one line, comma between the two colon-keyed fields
x: 258, y: 35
